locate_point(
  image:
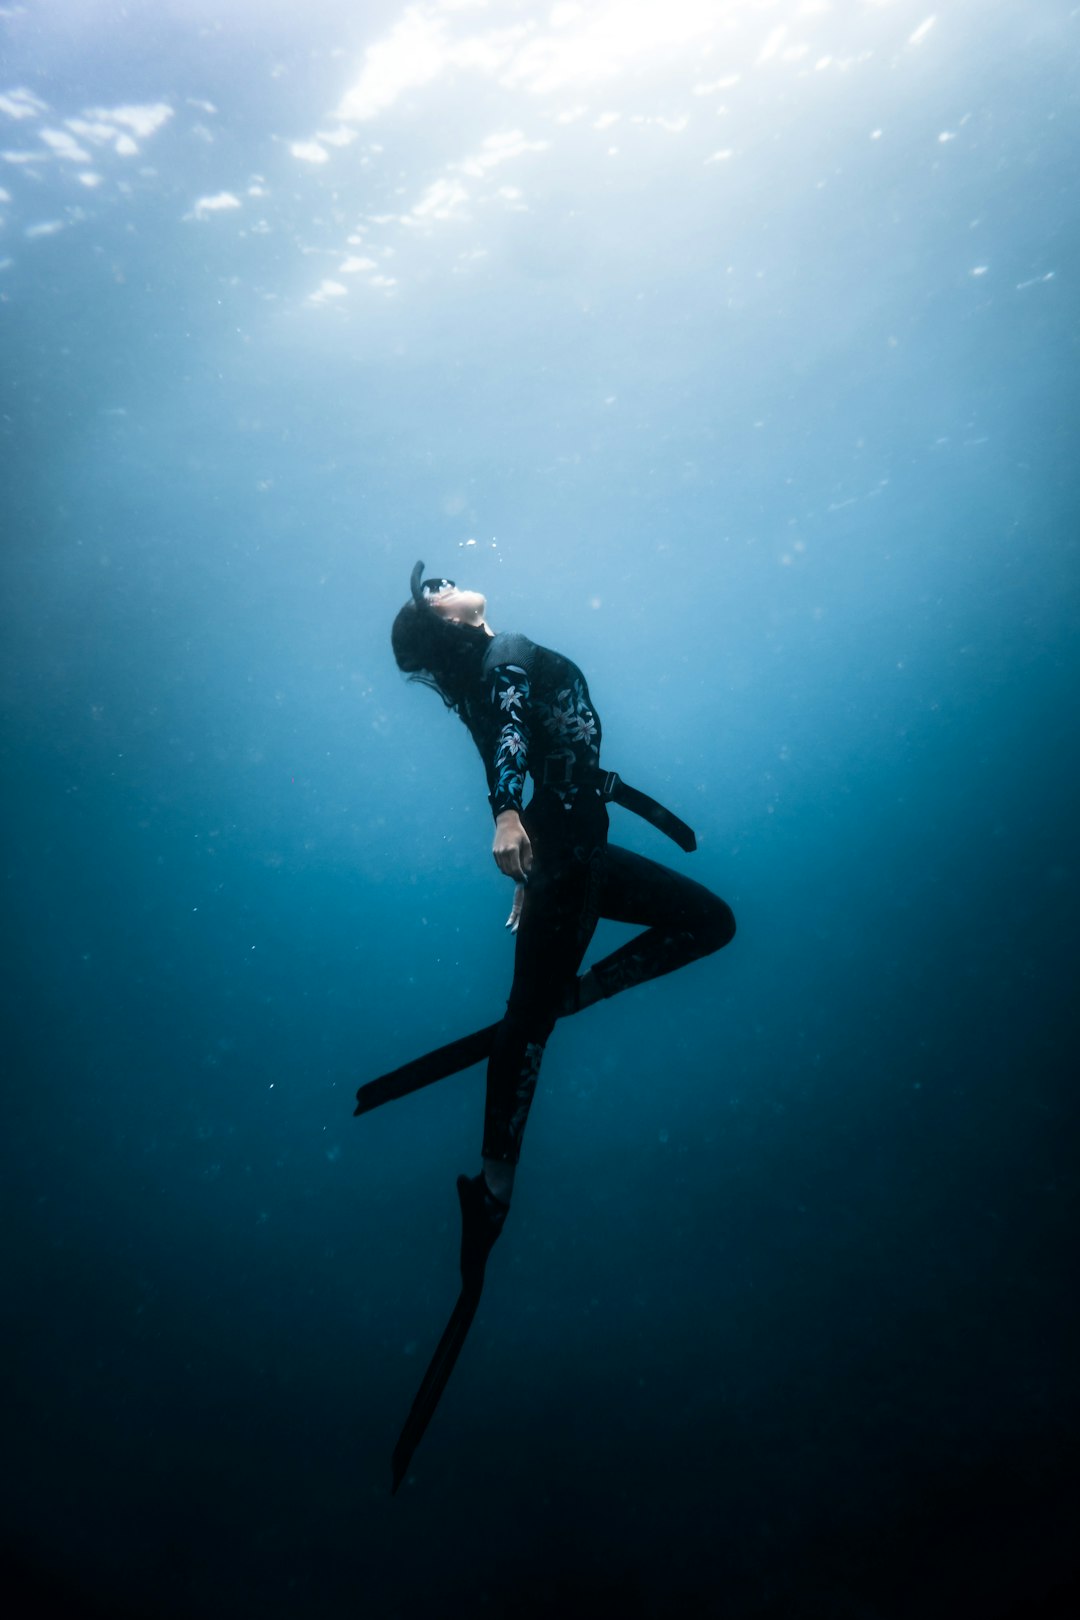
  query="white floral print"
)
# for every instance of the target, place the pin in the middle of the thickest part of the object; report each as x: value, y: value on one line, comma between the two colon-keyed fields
x: 544, y: 720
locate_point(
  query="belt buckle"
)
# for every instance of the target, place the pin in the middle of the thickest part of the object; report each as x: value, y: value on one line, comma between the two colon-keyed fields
x: 552, y: 767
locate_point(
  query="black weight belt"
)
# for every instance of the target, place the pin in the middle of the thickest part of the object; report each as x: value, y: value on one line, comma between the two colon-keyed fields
x: 559, y: 771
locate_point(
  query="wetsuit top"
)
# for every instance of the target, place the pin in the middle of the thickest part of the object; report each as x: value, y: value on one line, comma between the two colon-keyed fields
x: 543, y: 716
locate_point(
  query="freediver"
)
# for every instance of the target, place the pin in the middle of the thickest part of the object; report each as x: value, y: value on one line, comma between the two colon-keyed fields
x: 529, y: 713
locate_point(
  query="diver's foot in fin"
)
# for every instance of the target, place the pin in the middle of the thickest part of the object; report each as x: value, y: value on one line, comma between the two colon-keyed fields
x: 482, y: 1219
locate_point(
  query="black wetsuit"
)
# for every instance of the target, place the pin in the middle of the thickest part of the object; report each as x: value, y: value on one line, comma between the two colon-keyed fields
x: 545, y: 726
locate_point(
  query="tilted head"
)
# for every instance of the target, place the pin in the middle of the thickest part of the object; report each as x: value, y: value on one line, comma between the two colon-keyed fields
x: 445, y: 599
x: 440, y: 635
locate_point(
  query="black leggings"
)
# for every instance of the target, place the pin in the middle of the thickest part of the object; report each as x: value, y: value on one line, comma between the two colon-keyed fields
x: 569, y: 890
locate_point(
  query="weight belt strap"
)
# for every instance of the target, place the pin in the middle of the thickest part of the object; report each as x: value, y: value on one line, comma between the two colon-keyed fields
x: 561, y: 772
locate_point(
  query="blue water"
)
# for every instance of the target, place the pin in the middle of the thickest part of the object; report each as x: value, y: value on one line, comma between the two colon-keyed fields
x: 730, y: 349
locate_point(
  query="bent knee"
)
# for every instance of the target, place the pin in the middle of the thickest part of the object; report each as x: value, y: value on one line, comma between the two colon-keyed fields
x: 717, y: 927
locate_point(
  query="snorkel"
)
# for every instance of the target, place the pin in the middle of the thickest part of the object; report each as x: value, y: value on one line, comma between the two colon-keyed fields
x: 416, y: 587
x: 424, y: 589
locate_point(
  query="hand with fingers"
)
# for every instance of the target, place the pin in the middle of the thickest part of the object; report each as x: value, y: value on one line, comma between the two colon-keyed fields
x: 515, y: 910
x: 511, y: 848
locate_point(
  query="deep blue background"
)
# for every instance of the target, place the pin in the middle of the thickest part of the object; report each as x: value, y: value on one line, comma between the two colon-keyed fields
x: 784, y: 1323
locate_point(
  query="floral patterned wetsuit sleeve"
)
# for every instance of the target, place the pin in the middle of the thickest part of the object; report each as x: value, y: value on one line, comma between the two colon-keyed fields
x: 510, y: 694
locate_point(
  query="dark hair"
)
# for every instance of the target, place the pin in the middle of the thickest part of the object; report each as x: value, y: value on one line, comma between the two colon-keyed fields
x: 447, y: 657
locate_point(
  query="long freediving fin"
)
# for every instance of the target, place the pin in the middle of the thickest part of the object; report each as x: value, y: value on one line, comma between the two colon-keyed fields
x: 434, y: 1382
x: 482, y: 1219
x: 424, y: 1071
x: 433, y: 1066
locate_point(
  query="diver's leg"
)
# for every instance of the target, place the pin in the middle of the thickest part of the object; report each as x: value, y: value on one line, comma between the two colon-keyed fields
x: 685, y: 921
x: 558, y: 919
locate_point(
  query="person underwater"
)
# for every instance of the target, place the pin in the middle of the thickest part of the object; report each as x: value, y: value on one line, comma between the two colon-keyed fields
x: 530, y: 714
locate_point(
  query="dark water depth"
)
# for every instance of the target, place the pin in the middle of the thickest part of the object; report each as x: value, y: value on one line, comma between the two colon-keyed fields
x: 731, y: 349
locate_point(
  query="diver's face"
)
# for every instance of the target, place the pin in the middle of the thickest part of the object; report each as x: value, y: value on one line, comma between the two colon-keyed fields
x: 458, y: 607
